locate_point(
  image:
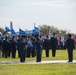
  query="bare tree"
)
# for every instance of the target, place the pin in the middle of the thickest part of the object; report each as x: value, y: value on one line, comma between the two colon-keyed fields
x: 2, y: 30
x: 46, y: 29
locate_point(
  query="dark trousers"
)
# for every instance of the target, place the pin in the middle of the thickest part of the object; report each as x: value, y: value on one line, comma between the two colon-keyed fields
x: 39, y: 54
x: 22, y: 55
x: 18, y: 52
x: 70, y: 55
x: 8, y: 52
x: 33, y: 52
x: 4, y: 52
x: 28, y: 52
x: 53, y: 52
x: 47, y: 52
x: 13, y: 52
x: 0, y: 52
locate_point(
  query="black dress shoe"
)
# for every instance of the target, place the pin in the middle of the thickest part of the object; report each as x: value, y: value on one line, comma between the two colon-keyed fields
x: 38, y: 61
x: 22, y: 61
x: 69, y: 61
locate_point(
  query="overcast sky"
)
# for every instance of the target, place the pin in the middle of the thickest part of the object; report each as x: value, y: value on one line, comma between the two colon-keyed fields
x: 24, y: 13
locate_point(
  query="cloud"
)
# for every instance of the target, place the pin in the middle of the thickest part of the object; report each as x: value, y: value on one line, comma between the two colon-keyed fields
x: 50, y: 3
x: 54, y: 3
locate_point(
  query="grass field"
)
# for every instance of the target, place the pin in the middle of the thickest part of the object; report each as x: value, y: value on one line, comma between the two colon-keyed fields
x: 60, y: 55
x: 40, y: 69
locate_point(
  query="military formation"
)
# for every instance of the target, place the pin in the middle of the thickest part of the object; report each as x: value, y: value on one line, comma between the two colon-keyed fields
x: 32, y: 46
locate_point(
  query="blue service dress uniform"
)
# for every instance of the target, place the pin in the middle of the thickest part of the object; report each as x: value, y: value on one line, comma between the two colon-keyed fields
x: 46, y: 45
x: 38, y: 50
x: 22, y: 50
x: 70, y: 47
x: 13, y: 48
x: 54, y: 44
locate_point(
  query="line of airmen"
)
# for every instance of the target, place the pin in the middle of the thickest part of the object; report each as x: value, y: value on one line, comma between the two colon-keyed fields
x: 33, y: 45
x: 25, y: 47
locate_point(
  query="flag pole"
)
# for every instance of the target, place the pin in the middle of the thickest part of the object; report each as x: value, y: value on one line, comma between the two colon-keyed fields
x: 34, y: 25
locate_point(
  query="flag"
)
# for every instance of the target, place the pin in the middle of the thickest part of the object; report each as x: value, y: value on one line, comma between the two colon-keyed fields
x: 36, y: 30
x: 13, y: 31
x: 33, y: 31
x: 7, y: 29
x: 21, y: 31
x: 35, y: 27
x: 0, y: 34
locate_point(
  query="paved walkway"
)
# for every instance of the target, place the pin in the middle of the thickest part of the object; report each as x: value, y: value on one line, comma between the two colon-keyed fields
x: 42, y: 62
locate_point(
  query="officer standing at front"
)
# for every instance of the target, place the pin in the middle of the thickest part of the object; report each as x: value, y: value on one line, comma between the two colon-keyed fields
x: 22, y: 49
x: 54, y: 44
x: 70, y: 47
x: 38, y: 49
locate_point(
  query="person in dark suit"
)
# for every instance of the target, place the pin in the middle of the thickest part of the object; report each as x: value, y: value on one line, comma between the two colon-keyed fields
x: 70, y: 47
x: 5, y: 45
x: 46, y: 45
x: 8, y: 46
x: 22, y: 49
x: 38, y: 49
x: 29, y: 47
x: 13, y: 47
x: 33, y: 43
x: 54, y: 44
x: 0, y: 47
x: 18, y: 44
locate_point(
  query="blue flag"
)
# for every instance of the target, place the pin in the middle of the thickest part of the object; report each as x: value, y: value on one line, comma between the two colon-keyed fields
x: 7, y: 29
x: 13, y: 31
x: 33, y: 31
x: 36, y: 30
x: 0, y: 34
x: 21, y: 31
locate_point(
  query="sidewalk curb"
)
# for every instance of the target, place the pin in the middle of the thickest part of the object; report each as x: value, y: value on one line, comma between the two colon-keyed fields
x: 42, y: 62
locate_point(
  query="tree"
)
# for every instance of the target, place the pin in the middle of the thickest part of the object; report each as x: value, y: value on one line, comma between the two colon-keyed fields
x: 2, y: 30
x: 46, y: 29
x: 63, y: 31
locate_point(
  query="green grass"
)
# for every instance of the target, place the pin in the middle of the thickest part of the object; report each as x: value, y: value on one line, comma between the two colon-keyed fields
x: 40, y: 69
x: 60, y: 55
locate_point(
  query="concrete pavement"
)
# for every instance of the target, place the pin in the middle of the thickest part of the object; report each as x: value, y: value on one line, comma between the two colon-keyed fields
x: 42, y: 62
